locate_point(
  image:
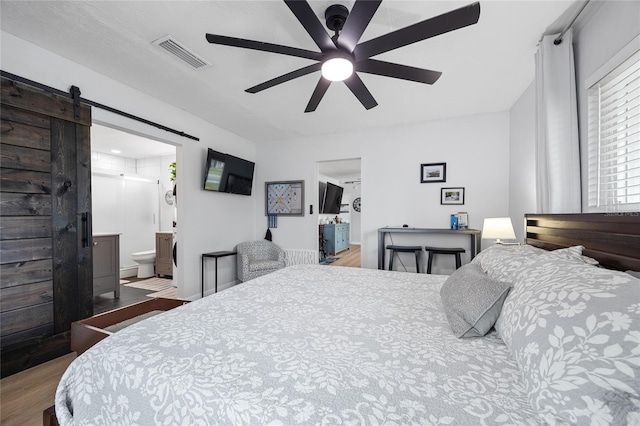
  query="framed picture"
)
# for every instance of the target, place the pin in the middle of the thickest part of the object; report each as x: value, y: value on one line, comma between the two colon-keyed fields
x: 284, y: 198
x: 433, y: 172
x: 452, y: 196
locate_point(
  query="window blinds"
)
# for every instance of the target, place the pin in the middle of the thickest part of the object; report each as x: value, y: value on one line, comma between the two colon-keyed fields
x: 614, y: 139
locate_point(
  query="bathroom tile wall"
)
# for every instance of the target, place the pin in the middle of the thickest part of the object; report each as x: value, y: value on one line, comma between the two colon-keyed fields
x: 149, y: 167
x: 152, y: 167
x: 103, y: 162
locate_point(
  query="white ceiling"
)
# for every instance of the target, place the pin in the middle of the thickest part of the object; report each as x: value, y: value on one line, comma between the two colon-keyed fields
x: 486, y: 67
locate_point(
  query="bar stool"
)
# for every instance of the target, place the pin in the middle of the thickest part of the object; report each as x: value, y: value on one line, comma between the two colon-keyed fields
x: 431, y: 251
x: 404, y: 249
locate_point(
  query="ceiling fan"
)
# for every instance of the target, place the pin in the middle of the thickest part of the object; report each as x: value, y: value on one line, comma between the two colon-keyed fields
x: 341, y: 54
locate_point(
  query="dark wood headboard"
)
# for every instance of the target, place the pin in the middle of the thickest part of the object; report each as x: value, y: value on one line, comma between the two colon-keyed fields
x: 613, y: 239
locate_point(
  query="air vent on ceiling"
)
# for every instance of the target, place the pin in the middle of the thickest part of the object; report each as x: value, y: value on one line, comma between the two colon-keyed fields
x: 176, y: 48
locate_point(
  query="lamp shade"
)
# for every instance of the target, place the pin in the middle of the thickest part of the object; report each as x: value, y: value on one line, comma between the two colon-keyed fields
x: 497, y: 228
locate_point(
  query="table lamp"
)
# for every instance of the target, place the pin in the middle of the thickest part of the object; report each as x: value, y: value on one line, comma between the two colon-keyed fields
x: 498, y: 227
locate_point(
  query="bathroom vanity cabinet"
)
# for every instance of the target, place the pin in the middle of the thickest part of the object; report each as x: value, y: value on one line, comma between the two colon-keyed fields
x: 164, y: 253
x: 106, y: 264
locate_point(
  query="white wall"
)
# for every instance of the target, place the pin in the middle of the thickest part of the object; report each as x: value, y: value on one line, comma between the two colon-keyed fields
x: 605, y: 28
x: 522, y: 154
x: 475, y: 149
x: 207, y: 221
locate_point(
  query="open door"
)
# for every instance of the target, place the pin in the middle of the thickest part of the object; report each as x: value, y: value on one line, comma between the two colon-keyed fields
x: 339, y: 186
x: 45, y: 233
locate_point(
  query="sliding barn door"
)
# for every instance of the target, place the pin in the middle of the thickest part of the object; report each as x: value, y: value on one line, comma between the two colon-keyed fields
x: 45, y: 205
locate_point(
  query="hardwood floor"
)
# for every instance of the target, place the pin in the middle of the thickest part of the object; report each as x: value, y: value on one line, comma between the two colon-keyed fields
x: 25, y: 395
x: 128, y: 296
x: 350, y: 258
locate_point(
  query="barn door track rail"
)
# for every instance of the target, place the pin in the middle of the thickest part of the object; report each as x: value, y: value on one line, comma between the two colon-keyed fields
x: 74, y: 93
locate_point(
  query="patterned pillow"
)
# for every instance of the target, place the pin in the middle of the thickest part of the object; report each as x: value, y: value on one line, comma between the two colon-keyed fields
x: 574, y: 330
x: 502, y: 262
x: 498, y: 250
x: 508, y: 269
x: 572, y: 253
x: 472, y: 301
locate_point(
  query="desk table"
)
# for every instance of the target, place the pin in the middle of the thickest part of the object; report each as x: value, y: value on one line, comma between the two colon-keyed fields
x: 215, y: 255
x: 474, y: 236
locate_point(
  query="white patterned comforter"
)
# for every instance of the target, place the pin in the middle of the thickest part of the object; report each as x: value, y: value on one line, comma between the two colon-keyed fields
x: 305, y: 345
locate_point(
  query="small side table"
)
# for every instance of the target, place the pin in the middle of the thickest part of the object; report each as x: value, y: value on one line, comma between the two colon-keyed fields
x: 215, y: 255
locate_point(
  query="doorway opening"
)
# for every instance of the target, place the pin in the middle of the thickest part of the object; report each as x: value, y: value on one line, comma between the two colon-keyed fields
x: 339, y: 212
x: 132, y: 180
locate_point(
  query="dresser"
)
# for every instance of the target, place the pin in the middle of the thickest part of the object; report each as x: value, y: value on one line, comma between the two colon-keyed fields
x: 336, y: 237
x: 106, y: 264
x: 164, y: 253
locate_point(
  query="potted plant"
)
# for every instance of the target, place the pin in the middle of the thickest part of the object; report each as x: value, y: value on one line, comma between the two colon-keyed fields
x: 172, y: 178
x: 172, y: 170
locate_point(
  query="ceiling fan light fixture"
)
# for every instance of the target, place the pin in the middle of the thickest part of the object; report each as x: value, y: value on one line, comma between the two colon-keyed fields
x: 340, y: 53
x: 337, y: 69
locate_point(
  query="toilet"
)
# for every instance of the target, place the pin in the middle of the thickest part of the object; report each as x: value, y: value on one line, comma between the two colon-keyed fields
x: 146, y: 260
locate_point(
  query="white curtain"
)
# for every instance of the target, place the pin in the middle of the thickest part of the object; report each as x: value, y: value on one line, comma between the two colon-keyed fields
x: 557, y: 145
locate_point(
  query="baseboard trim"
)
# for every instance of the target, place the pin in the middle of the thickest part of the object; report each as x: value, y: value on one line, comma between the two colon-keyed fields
x: 129, y: 271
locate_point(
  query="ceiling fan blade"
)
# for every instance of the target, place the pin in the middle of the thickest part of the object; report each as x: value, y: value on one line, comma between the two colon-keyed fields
x: 403, y: 72
x: 264, y: 47
x: 311, y: 23
x: 284, y: 78
x: 357, y: 21
x: 355, y: 84
x: 318, y: 94
x: 456, y: 19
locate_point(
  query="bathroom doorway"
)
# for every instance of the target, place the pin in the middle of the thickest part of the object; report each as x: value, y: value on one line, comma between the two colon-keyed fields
x: 132, y: 183
x: 343, y: 217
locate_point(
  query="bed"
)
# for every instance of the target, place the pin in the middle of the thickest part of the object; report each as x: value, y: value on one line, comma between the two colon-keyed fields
x: 313, y: 344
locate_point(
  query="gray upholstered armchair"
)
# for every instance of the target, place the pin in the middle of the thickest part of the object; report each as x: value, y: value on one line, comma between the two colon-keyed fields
x: 257, y: 258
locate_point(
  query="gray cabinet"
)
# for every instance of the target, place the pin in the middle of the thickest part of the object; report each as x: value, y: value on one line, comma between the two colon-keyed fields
x: 106, y: 264
x: 164, y: 253
x: 336, y: 237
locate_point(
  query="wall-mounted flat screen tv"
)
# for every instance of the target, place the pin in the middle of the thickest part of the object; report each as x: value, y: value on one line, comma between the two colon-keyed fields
x: 322, y: 188
x: 227, y: 173
x: 332, y: 199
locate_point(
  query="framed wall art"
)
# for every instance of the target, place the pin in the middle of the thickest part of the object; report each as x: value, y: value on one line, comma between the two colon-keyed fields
x: 433, y: 172
x: 284, y: 198
x: 452, y: 195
